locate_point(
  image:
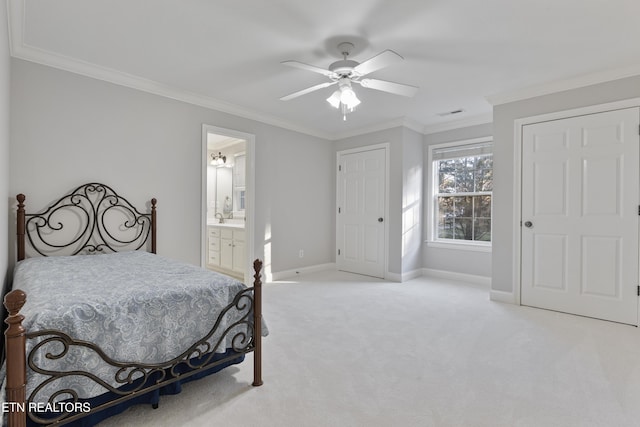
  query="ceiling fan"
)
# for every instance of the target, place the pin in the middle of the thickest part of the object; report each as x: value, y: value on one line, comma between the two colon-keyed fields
x: 346, y: 72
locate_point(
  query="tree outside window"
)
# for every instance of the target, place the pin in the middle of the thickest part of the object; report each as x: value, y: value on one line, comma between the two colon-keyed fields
x: 463, y: 191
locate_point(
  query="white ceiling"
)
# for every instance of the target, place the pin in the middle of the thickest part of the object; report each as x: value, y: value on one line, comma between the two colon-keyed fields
x: 226, y: 54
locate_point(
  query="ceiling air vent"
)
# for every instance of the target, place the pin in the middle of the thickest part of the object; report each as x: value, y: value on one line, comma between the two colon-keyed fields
x: 451, y: 113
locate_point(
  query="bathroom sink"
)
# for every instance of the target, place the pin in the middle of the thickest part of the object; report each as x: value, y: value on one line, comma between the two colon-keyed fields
x: 227, y: 223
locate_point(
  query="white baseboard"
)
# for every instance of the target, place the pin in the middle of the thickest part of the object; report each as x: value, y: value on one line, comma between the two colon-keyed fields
x: 463, y: 277
x: 503, y: 296
x: 412, y: 274
x: 287, y: 274
x: 394, y: 277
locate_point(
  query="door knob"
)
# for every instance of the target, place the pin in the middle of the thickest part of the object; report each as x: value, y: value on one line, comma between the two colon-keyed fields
x: 380, y: 219
x: 528, y: 224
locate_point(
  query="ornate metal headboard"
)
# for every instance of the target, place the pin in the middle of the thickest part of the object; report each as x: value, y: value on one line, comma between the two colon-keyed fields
x: 90, y: 219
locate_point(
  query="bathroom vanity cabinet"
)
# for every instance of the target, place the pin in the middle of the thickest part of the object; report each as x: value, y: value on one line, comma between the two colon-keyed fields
x: 226, y: 249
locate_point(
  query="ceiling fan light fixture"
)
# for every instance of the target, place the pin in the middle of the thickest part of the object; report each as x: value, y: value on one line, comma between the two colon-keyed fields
x: 348, y: 97
x: 347, y: 71
x: 344, y: 99
x: 334, y: 99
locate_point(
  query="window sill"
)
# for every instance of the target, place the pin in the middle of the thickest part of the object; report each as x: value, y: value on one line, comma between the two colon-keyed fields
x: 474, y: 247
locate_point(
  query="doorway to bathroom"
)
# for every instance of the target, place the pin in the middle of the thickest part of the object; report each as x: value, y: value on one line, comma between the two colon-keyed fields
x: 227, y: 201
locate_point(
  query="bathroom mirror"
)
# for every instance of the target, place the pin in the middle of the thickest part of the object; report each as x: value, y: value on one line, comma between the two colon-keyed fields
x: 224, y: 191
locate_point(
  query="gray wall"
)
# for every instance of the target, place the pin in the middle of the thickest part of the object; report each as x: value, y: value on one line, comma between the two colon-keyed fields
x: 412, y: 200
x: 503, y: 193
x: 455, y: 260
x: 68, y: 129
x: 5, y: 95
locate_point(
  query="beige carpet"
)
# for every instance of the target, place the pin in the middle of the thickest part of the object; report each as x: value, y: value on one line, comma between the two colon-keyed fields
x: 346, y: 350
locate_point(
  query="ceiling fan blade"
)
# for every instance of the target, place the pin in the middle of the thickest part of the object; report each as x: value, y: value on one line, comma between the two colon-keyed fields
x: 381, y: 60
x: 307, y: 90
x: 308, y: 67
x: 391, y: 87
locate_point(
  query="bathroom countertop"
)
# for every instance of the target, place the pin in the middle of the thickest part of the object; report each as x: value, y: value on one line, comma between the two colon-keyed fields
x: 215, y: 223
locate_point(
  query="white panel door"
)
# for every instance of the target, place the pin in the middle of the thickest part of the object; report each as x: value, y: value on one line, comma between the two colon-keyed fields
x: 580, y: 201
x: 361, y: 207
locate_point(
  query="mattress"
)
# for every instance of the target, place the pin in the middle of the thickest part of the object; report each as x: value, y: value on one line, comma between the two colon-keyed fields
x: 137, y: 306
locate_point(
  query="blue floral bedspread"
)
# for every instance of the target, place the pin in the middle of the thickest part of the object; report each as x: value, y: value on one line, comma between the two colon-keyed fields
x: 137, y: 306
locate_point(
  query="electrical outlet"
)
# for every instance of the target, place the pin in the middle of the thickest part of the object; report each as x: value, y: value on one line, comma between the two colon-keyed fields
x: 301, y: 253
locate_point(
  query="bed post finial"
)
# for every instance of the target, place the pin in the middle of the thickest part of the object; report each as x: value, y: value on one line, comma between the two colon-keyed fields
x: 257, y: 324
x: 15, y: 341
x: 20, y: 229
x: 257, y: 267
x: 153, y: 225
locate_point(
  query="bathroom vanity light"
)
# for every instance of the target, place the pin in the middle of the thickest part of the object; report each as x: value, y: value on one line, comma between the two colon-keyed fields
x: 218, y: 159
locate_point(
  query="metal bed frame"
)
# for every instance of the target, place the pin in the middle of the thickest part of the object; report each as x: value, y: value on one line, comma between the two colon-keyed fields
x: 95, y: 206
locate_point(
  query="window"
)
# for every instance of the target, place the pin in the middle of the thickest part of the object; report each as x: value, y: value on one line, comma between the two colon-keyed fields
x: 462, y: 191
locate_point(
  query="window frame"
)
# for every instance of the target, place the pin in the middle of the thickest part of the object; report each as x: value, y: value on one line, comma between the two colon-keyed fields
x: 432, y: 240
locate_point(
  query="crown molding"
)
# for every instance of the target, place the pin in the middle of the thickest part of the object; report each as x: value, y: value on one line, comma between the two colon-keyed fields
x: 416, y: 126
x: 19, y: 49
x: 72, y: 65
x: 399, y: 122
x: 563, y: 85
x: 480, y: 119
